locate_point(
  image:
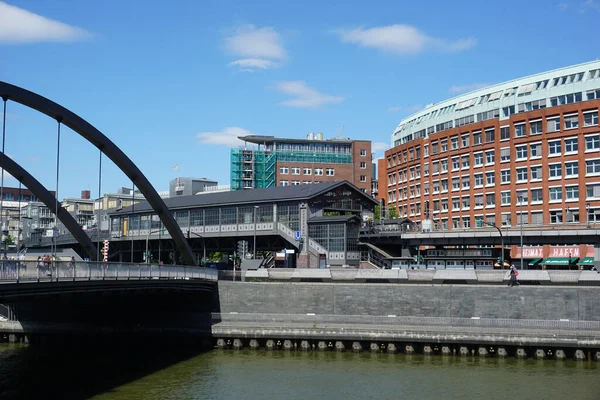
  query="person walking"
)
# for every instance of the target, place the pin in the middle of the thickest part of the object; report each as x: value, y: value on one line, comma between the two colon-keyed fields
x: 513, y: 276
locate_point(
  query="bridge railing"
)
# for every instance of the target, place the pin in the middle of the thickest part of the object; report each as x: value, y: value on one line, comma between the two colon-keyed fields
x: 27, y: 271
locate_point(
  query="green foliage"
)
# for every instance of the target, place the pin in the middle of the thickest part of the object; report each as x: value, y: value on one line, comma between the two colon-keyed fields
x: 8, y: 240
x: 392, y: 212
x: 377, y: 212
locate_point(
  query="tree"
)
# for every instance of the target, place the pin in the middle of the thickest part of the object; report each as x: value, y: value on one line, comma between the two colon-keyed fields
x: 392, y: 212
x: 8, y: 241
x: 377, y: 212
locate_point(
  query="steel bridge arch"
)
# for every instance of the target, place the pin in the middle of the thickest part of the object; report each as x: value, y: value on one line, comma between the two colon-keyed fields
x: 49, y: 200
x: 106, y: 146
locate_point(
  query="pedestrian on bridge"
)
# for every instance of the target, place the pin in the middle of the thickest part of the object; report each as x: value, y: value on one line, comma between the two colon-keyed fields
x: 513, y: 276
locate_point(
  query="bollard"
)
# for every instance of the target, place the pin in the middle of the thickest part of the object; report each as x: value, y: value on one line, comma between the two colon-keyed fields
x: 237, y: 344
x: 560, y: 355
x: 304, y: 345
x: 483, y: 352
x: 270, y: 345
x: 579, y: 355
x: 391, y: 348
x: 322, y: 346
x: 463, y: 351
x: 221, y: 343
x: 356, y: 347
x: 446, y: 350
x: 521, y: 353
x: 427, y: 350
x: 540, y: 354
x: 254, y: 344
x: 339, y: 346
x: 501, y: 352
x: 287, y: 345
x: 409, y: 349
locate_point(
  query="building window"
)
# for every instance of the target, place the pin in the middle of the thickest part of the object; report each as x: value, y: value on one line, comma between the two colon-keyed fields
x: 295, y: 171
x: 476, y: 138
x: 505, y: 133
x: 521, y: 152
x: 571, y: 121
x: 319, y: 171
x: 363, y: 165
x: 520, y: 130
x: 329, y: 172
x: 536, y: 195
x: 478, y: 179
x: 295, y: 183
x: 571, y: 145
x: 465, y: 161
x: 444, y: 165
x: 466, y: 182
x: 455, y: 183
x: 478, y: 200
x: 434, y: 148
x: 535, y: 150
x: 505, y: 198
x: 284, y: 183
x: 490, y: 178
x: 454, y: 142
x: 363, y: 152
x: 555, y: 170
x: 554, y: 148
x: 505, y: 176
x: 572, y: 192
x: 455, y: 223
x: 490, y: 157
x: 466, y: 202
x: 553, y: 124
x: 465, y: 140
x: 363, y: 178
x: 593, y: 190
x: 521, y: 174
x: 490, y: 199
x: 505, y: 154
x: 555, y: 193
x: 444, y: 204
x: 490, y: 135
x: 505, y: 219
x: 590, y: 118
x: 592, y: 143
x: 426, y: 150
x: 444, y: 185
x: 455, y: 163
x: 456, y: 203
x: 571, y: 169
x: 284, y: 170
x: 466, y: 222
x: 444, y: 145
x: 592, y: 166
x: 535, y: 128
x: 556, y: 217
x: 478, y: 159
x: 307, y: 171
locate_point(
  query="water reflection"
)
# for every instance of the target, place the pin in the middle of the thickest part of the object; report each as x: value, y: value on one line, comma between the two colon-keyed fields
x: 155, y: 373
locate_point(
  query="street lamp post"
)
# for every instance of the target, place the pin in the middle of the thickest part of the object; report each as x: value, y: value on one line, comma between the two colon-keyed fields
x: 254, y: 245
x: 203, y: 244
x: 521, y: 198
x: 147, y: 238
x: 501, y: 242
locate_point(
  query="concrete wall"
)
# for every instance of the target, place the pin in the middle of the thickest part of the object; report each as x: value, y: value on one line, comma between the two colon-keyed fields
x: 524, y: 302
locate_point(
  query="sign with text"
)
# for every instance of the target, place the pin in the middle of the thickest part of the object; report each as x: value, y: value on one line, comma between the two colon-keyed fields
x: 564, y: 251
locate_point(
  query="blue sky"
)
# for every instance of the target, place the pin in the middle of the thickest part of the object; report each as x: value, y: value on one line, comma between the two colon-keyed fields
x: 176, y: 82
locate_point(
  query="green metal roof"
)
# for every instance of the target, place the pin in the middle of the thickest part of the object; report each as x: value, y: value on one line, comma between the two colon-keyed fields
x: 586, y: 261
x: 558, y: 261
x: 534, y: 262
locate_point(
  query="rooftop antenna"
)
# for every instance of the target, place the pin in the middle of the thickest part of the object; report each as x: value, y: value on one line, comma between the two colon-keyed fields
x: 338, y: 135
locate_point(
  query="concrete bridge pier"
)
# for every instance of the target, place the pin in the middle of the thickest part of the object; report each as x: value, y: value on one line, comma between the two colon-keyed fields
x: 270, y: 345
x: 409, y: 349
x: 391, y: 348
x: 579, y: 355
x: 446, y: 351
x: 597, y: 356
x: 374, y: 347
x: 521, y: 353
x: 483, y: 352
x: 287, y: 345
x: 237, y: 344
x: 305, y: 345
x: 427, y: 349
x: 322, y: 346
x: 357, y: 347
x: 254, y: 344
x: 560, y: 355
x: 540, y: 354
x: 464, y: 351
x: 340, y: 346
x: 221, y: 344
x: 501, y: 352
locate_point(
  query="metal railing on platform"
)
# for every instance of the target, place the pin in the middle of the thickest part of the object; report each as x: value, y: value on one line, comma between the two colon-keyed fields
x: 27, y: 271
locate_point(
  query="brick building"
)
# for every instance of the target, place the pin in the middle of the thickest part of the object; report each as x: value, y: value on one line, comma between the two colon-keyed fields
x: 524, y: 152
x: 283, y: 162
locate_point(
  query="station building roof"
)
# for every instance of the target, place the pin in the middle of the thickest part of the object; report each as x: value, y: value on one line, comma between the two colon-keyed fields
x: 249, y: 197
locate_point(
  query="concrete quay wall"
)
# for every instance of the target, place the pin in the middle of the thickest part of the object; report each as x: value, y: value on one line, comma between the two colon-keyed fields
x: 458, y: 301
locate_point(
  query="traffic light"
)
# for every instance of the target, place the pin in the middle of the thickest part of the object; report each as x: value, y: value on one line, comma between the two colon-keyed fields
x: 415, y: 258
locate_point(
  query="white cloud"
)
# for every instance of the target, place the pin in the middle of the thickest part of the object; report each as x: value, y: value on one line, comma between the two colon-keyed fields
x: 401, y: 39
x: 405, y: 109
x: 21, y: 26
x: 591, y: 4
x: 227, y: 137
x: 379, y: 146
x: 258, y: 47
x: 304, y: 96
x: 456, y: 89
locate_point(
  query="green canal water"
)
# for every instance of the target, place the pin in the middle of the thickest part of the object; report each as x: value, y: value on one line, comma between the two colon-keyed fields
x: 147, y: 372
